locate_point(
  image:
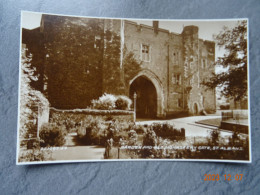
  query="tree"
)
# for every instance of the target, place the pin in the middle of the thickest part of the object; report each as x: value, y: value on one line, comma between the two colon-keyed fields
x: 29, y: 98
x: 116, y: 78
x: 29, y: 101
x: 233, y: 82
x: 131, y: 66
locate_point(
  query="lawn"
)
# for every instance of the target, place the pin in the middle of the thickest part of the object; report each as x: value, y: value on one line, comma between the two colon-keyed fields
x: 212, y: 122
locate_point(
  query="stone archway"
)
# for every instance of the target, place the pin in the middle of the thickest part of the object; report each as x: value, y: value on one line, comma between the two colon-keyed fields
x: 155, y: 96
x: 146, y: 102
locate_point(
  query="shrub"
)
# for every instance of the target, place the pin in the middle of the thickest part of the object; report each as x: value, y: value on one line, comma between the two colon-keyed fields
x: 52, y: 135
x: 132, y: 137
x: 162, y: 153
x: 34, y: 155
x: 139, y: 129
x: 29, y: 97
x: 166, y: 130
x: 149, y: 139
x: 224, y: 107
x: 123, y: 103
x: 105, y: 102
x: 112, y: 130
x: 116, y: 131
x: 109, y: 118
x: 31, y: 129
x: 214, y: 135
x: 91, y: 132
x: 109, y: 102
x: 97, y: 131
x: 222, y: 153
x: 237, y: 141
x: 65, y: 119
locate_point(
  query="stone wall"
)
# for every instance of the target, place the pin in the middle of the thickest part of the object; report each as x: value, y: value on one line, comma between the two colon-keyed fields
x: 199, y: 57
x: 82, y: 62
x: 179, y: 61
x: 165, y: 59
x: 176, y: 102
x: 207, y: 67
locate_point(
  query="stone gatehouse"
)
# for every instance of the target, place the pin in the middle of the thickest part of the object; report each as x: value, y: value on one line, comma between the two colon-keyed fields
x: 168, y: 81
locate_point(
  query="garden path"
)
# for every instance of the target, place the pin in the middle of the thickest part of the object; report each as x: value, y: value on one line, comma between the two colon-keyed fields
x: 79, y: 153
x: 191, y: 128
x: 73, y: 152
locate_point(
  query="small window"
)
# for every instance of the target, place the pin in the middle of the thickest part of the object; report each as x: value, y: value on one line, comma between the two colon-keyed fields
x: 145, y: 55
x: 176, y: 58
x: 109, y: 36
x: 97, y: 43
x: 203, y: 63
x: 177, y: 79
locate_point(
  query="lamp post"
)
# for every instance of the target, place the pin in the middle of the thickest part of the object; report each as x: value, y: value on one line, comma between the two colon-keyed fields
x: 135, y: 96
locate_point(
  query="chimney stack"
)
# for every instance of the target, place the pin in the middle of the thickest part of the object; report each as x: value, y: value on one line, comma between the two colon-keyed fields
x: 155, y: 26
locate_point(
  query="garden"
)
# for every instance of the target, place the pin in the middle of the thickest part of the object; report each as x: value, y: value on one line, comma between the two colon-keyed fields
x: 108, y: 123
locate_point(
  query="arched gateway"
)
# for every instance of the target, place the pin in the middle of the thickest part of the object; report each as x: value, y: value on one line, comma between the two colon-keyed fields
x: 149, y: 90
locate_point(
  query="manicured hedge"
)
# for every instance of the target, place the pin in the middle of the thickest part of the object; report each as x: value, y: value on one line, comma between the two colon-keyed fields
x: 94, y: 111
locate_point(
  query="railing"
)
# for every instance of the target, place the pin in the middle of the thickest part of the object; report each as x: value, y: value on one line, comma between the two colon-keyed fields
x: 234, y: 114
x: 226, y: 115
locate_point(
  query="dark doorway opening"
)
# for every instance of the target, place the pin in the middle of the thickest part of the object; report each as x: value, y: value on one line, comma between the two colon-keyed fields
x: 196, y: 110
x: 146, y: 101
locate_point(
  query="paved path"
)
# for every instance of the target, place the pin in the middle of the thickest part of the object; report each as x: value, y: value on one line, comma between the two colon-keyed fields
x: 79, y: 153
x: 191, y: 128
x: 95, y: 152
x: 73, y: 152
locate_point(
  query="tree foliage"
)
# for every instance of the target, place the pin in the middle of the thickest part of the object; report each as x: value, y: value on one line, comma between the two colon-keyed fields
x: 112, y: 76
x: 233, y: 82
x: 131, y: 66
x: 33, y: 40
x: 83, y: 61
x: 117, y: 77
x: 74, y: 61
x: 29, y: 98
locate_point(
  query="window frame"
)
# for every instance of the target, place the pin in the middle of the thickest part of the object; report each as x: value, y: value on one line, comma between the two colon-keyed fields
x: 176, y: 57
x: 142, y: 54
x: 97, y: 42
x: 177, y: 79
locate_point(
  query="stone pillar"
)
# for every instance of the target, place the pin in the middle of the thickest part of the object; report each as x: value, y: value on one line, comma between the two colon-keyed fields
x: 43, y: 116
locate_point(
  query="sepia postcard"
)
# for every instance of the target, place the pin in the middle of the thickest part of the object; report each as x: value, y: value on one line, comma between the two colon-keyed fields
x: 112, y: 89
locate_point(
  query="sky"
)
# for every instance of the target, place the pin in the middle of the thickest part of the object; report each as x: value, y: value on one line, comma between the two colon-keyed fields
x: 207, y: 28
x: 31, y: 20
